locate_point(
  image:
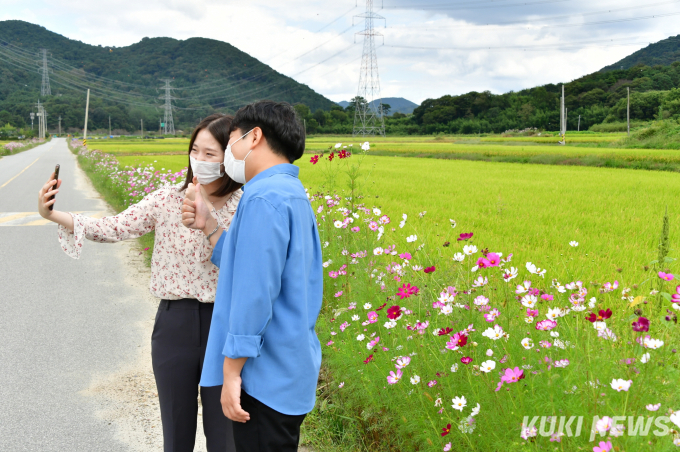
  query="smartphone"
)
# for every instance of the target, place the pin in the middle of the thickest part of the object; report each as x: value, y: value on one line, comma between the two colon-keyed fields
x: 56, y: 178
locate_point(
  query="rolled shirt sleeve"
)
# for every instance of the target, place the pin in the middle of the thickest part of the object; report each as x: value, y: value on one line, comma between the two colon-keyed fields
x: 259, y: 260
x: 217, y: 251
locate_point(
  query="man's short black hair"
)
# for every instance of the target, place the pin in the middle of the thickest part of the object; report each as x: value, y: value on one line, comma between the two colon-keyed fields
x: 279, y: 123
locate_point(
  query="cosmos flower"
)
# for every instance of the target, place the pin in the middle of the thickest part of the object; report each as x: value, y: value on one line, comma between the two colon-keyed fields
x: 415, y: 380
x: 394, y: 378
x: 641, y: 325
x: 394, y: 312
x: 619, y: 384
x: 573, y: 243
x: 457, y: 340
x: 600, y: 316
x: 402, y: 362
x: 465, y: 236
x: 488, y: 366
x: 666, y: 276
x: 459, y: 403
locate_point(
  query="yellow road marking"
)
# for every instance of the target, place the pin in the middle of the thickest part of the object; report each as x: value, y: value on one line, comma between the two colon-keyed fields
x: 4, y: 218
x: 19, y: 173
x: 40, y: 222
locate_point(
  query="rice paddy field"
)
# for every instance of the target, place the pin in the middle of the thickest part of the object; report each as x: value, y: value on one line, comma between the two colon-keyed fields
x: 418, y: 331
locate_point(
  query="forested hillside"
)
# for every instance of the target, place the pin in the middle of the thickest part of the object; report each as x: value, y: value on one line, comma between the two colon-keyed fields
x: 206, y: 73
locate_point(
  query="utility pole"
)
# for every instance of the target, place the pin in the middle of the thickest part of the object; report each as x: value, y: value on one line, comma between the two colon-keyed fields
x: 110, y: 126
x: 32, y: 116
x: 563, y: 119
x: 45, y: 87
x: 628, y: 112
x: 579, y: 123
x: 368, y: 116
x: 160, y: 125
x: 59, y: 125
x: 41, y: 121
x: 142, y: 126
x: 87, y: 110
x: 168, y: 123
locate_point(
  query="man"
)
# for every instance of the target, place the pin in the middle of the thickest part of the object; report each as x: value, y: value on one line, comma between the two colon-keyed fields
x: 262, y: 347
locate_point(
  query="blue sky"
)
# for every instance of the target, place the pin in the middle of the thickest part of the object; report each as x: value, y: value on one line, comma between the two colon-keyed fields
x: 431, y: 47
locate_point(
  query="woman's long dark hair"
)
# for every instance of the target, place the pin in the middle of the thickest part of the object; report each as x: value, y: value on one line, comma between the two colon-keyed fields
x: 219, y: 126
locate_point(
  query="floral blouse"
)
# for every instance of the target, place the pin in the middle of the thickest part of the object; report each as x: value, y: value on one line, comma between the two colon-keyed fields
x: 180, y: 265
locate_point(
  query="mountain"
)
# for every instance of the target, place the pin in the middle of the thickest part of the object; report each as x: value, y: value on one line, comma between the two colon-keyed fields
x: 206, y: 75
x: 398, y: 104
x: 663, y: 52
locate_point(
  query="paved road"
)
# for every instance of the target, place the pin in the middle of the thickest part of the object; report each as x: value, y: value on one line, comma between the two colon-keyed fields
x: 63, y: 322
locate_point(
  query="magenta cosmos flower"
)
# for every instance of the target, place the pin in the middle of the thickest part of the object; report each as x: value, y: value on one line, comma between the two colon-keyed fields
x: 642, y: 325
x: 465, y: 236
x: 405, y: 256
x: 314, y: 160
x: 394, y: 378
x: 600, y: 316
x: 676, y: 295
x: 466, y: 360
x: 394, y: 312
x: 666, y: 276
x: 547, y: 297
x: 407, y: 290
x: 429, y: 269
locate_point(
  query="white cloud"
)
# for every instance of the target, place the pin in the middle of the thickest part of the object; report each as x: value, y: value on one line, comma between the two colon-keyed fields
x: 279, y: 33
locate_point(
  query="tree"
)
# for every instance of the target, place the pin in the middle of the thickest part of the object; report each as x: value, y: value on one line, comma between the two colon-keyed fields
x: 303, y: 111
x: 356, y: 101
x: 386, y: 109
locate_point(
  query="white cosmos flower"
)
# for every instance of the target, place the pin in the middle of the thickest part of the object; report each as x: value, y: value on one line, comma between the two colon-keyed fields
x: 327, y: 263
x: 415, y: 380
x: 591, y: 303
x: 480, y: 282
x: 554, y: 313
x: 447, y: 309
x: 355, y: 317
x: 453, y: 223
x: 652, y: 343
x: 494, y: 333
x: 535, y: 270
x: 411, y: 238
x: 337, y: 224
x: 620, y: 384
x: 368, y: 306
x: 523, y: 288
x: 454, y: 367
x: 459, y: 257
x: 378, y: 251
x: 527, y: 343
x: 337, y: 146
x: 469, y: 249
x: 675, y: 418
x: 573, y: 243
x: 325, y: 244
x: 488, y: 366
x: 554, y: 334
x: 459, y: 403
x: 645, y: 358
x: 390, y: 324
x: 475, y: 411
x: 361, y: 337
x: 489, y: 352
x: 529, y: 301
x: 376, y: 211
x: 510, y: 274
x: 600, y: 326
x: 365, y: 146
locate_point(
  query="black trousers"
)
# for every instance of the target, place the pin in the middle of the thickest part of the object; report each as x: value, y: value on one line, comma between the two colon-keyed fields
x: 267, y: 430
x: 178, y: 343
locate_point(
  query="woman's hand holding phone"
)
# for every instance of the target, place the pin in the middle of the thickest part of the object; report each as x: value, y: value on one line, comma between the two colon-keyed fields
x: 46, y: 197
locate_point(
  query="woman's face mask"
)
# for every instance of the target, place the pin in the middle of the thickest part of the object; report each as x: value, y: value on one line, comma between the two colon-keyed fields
x: 206, y: 172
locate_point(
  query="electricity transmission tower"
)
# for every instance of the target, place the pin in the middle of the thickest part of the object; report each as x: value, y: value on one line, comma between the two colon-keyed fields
x: 168, y: 124
x: 368, y: 114
x: 45, y: 87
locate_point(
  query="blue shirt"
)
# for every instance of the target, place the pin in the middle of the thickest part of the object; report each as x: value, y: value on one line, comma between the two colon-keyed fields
x: 269, y: 294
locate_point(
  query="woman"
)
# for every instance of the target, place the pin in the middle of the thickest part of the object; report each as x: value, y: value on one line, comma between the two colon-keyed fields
x: 181, y: 275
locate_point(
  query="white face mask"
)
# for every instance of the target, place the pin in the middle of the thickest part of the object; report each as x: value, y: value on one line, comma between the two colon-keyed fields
x: 206, y: 172
x: 236, y: 169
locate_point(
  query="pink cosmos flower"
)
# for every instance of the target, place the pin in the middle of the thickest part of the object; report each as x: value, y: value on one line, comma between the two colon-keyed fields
x: 666, y: 276
x: 432, y: 383
x: 355, y: 229
x: 652, y: 407
x: 373, y: 343
x: 394, y: 378
x: 512, y: 375
x: 491, y: 316
x: 341, y: 384
x: 405, y: 256
x: 642, y: 325
x: 457, y: 340
x: 493, y: 259
x: 532, y: 312
x: 546, y: 325
x: 372, y: 317
x: 609, y: 287
x: 402, y: 362
x: 329, y: 343
x: 333, y: 274
x: 547, y: 297
x: 466, y: 360
x: 447, y: 447
x: 603, y: 447
x: 483, y: 262
x: 338, y: 294
x: 406, y: 291
x: 385, y: 219
x: 562, y: 363
x: 373, y: 226
x: 545, y: 344
x: 344, y: 326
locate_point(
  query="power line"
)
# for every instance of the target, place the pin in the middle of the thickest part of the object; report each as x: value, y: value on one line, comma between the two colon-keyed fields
x: 513, y: 47
x: 454, y: 8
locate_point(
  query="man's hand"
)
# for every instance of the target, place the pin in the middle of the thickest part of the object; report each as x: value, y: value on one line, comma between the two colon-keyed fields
x: 195, y: 208
x: 231, y: 390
